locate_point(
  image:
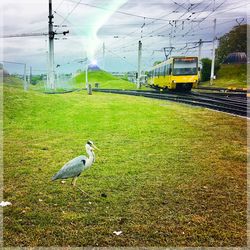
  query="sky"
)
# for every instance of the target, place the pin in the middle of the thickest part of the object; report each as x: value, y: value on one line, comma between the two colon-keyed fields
x: 118, y: 25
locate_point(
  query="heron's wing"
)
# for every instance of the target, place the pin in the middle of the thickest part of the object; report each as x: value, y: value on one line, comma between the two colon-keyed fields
x: 72, y: 168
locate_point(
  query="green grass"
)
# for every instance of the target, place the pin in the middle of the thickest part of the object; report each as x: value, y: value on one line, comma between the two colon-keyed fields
x: 105, y: 80
x: 230, y: 75
x: 174, y: 175
x: 12, y: 81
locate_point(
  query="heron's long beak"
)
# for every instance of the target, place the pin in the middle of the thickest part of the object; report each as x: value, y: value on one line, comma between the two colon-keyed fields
x: 95, y: 147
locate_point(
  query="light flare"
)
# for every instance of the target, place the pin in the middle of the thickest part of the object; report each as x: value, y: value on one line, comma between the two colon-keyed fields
x: 93, y: 62
x: 96, y: 18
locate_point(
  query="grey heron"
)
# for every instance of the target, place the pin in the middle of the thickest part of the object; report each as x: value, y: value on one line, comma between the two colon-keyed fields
x: 76, y: 166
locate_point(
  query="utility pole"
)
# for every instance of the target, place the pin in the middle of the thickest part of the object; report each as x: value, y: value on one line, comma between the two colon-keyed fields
x: 170, y: 35
x: 30, y: 76
x: 51, y: 72
x: 24, y: 78
x: 139, y: 65
x: 88, y: 85
x: 200, y: 45
x: 86, y: 70
x: 86, y: 74
x: 28, y: 79
x: 213, y: 55
x: 200, y: 42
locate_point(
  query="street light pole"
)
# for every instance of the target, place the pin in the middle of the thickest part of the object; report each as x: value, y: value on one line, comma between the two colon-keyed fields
x: 213, y: 55
x: 139, y: 65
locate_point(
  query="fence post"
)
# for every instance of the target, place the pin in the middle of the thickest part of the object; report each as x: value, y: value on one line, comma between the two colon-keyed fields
x: 89, y: 89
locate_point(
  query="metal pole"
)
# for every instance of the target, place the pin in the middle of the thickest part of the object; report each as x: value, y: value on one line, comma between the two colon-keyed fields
x: 170, y: 41
x: 24, y: 78
x: 46, y: 85
x: 139, y: 65
x: 213, y: 55
x: 51, y: 48
x: 28, y: 79
x: 86, y: 75
x: 30, y: 75
x: 199, y: 55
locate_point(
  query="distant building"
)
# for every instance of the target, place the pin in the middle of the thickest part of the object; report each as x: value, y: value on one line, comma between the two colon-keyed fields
x: 236, y: 58
x: 130, y: 76
x: 118, y: 74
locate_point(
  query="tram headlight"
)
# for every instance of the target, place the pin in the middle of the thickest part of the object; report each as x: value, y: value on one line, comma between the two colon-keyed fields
x: 173, y: 81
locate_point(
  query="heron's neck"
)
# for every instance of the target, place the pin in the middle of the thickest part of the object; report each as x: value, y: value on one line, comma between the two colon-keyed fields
x: 91, y: 155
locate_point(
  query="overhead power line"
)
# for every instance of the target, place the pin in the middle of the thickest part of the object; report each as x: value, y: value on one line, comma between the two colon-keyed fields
x: 123, y: 12
x: 59, y: 5
x: 25, y: 34
x: 66, y: 18
x: 124, y: 59
x: 34, y: 34
x: 174, y: 21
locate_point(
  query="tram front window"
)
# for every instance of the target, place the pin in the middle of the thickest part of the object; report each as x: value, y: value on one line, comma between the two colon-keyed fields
x: 185, y: 66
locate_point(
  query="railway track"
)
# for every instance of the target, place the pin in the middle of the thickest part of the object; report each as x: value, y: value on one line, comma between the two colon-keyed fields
x: 229, y: 89
x: 233, y: 104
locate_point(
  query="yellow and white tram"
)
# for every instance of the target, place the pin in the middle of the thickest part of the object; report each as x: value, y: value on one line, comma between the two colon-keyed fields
x: 177, y: 73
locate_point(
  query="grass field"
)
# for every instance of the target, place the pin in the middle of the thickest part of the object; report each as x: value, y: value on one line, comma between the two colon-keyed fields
x: 230, y: 75
x: 173, y: 175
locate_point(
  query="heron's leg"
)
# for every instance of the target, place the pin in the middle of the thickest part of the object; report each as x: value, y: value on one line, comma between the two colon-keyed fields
x: 82, y: 191
x: 74, y: 185
x: 74, y: 181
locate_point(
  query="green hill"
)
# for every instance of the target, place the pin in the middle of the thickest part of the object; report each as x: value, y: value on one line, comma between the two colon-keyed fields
x: 105, y: 80
x: 231, y: 75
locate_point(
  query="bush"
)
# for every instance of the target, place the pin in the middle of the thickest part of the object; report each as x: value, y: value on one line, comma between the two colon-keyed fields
x: 206, y: 69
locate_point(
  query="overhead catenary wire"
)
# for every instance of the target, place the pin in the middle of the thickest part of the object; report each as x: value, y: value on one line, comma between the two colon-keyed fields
x: 147, y: 33
x: 191, y: 21
x: 120, y: 57
x: 173, y: 20
x: 214, y: 9
x: 121, y: 12
x: 150, y: 23
x: 59, y: 5
x: 66, y: 18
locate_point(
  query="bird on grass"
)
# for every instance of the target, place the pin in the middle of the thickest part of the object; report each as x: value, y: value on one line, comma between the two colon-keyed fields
x: 76, y: 166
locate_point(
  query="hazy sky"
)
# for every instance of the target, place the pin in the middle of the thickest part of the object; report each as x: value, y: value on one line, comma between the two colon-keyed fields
x: 120, y: 24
